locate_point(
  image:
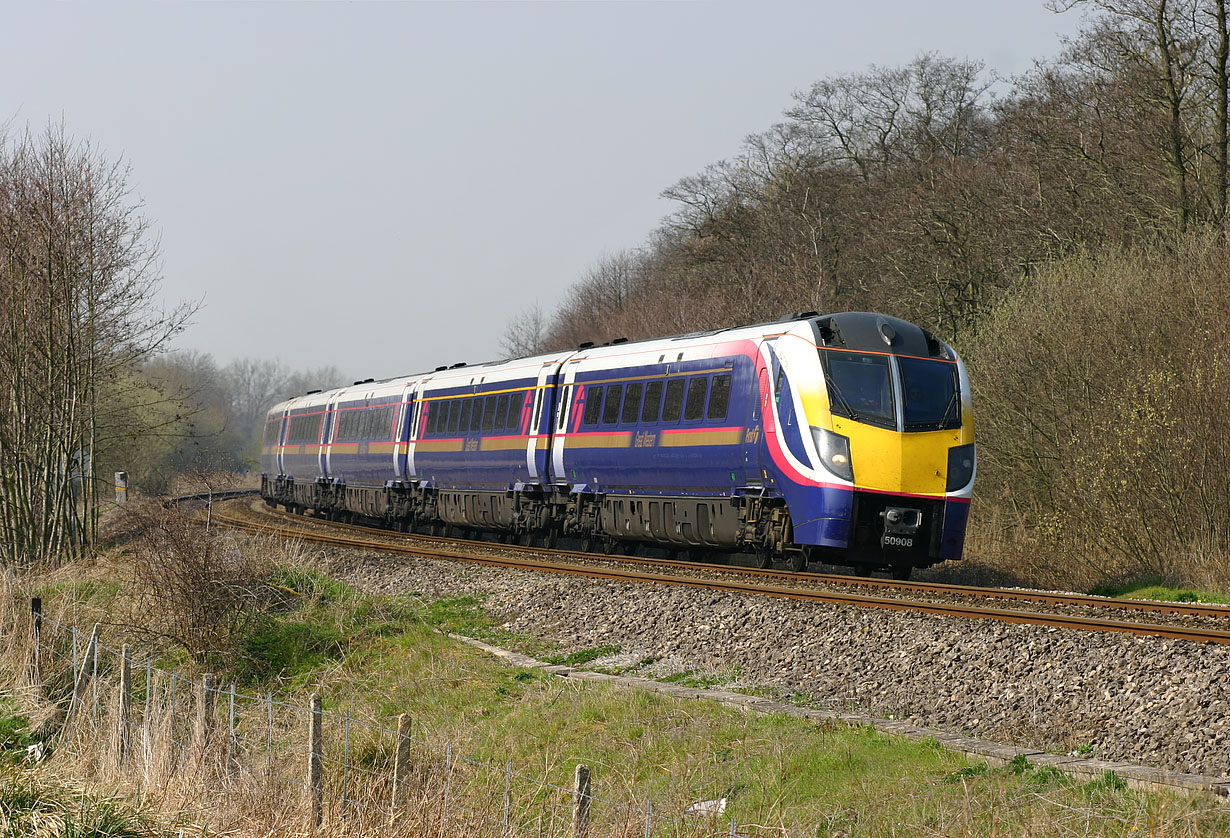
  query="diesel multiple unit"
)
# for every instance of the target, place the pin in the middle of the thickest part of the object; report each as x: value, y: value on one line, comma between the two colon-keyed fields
x: 843, y: 438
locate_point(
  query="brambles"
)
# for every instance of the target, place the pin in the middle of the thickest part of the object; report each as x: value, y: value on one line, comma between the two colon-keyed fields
x: 191, y: 584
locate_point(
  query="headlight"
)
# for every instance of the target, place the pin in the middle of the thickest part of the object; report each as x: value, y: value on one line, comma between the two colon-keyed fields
x: 834, y: 452
x: 961, y: 462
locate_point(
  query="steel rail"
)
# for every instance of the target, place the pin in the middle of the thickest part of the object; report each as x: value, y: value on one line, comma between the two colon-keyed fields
x: 800, y: 594
x: 1177, y: 609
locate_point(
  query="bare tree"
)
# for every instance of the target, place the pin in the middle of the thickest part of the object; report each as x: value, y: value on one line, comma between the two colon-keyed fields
x: 526, y: 333
x: 78, y: 275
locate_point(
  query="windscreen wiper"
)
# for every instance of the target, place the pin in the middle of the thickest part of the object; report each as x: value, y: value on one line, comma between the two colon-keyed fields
x: 834, y: 390
x: 955, y: 401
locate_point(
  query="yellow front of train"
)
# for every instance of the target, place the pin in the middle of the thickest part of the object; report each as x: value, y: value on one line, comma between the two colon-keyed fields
x: 891, y: 423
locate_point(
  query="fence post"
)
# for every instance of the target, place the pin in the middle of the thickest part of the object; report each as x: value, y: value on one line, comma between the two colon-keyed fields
x: 205, y: 716
x: 315, y: 774
x: 448, y: 782
x: 36, y: 630
x: 401, y: 766
x: 232, y: 749
x: 581, y: 800
x: 87, y: 669
x: 94, y: 677
x: 269, y: 719
x: 171, y: 712
x: 507, y: 795
x: 125, y: 722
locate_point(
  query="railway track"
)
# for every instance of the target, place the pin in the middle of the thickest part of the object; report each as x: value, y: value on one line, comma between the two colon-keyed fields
x: 802, y: 587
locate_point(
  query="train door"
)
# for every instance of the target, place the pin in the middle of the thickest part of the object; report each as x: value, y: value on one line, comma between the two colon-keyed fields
x: 567, y: 397
x: 326, y: 438
x: 418, y: 426
x: 536, y: 448
x: 407, y: 425
x: 283, y: 426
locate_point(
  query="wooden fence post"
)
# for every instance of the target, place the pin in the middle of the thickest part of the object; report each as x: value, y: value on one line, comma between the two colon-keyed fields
x: 88, y: 667
x: 232, y: 744
x: 581, y: 800
x: 205, y: 716
x: 315, y: 774
x: 401, y: 766
x: 125, y: 721
x: 36, y: 631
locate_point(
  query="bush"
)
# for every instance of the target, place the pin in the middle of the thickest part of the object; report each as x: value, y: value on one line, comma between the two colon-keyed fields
x: 190, y: 583
x: 1101, y: 400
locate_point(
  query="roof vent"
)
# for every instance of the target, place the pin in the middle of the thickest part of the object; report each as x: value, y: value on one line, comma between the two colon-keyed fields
x: 587, y: 345
x: 438, y: 369
x: 311, y: 392
x: 619, y: 341
x: 458, y: 365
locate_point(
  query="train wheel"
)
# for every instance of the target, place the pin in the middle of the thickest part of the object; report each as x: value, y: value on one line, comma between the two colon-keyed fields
x: 798, y: 561
x: 902, y: 573
x: 763, y: 559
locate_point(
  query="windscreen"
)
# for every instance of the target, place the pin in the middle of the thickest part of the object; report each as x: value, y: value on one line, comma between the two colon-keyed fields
x: 929, y: 394
x: 860, y: 387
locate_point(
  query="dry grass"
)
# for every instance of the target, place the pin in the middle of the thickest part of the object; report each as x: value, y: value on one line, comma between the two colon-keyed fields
x: 812, y: 781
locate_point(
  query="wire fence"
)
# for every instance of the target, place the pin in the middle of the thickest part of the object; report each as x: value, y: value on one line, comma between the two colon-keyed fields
x: 333, y: 772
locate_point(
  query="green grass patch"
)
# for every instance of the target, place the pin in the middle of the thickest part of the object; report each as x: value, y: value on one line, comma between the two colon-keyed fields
x: 378, y: 657
x: 583, y: 656
x: 15, y: 733
x: 35, y: 805
x: 1155, y: 590
x: 801, y: 777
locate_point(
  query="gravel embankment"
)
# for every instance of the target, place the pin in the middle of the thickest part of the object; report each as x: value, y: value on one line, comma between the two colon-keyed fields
x: 1154, y: 702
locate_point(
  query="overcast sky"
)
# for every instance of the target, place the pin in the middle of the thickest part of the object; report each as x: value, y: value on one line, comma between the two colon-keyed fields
x: 382, y: 186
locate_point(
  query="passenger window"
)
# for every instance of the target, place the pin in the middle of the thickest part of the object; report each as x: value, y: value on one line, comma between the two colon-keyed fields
x: 563, y: 408
x: 454, y: 415
x: 653, y: 402
x: 470, y: 416
x: 536, y: 419
x: 489, y: 414
x: 593, y: 405
x: 610, y: 412
x: 696, y: 398
x: 513, y: 418
x: 674, y: 400
x: 632, y: 402
x: 501, y: 412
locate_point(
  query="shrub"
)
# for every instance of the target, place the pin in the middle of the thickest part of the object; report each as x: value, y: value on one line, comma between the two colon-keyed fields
x: 1100, y: 396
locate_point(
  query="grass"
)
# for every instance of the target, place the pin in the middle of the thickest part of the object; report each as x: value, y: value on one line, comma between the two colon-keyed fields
x: 32, y: 806
x: 582, y: 656
x: 773, y: 770
x: 1154, y: 590
x: 15, y: 733
x: 378, y: 657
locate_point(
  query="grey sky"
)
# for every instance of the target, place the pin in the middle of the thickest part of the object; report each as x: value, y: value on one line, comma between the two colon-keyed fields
x: 381, y: 186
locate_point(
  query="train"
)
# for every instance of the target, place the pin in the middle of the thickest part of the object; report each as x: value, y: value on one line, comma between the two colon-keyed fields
x: 844, y: 439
